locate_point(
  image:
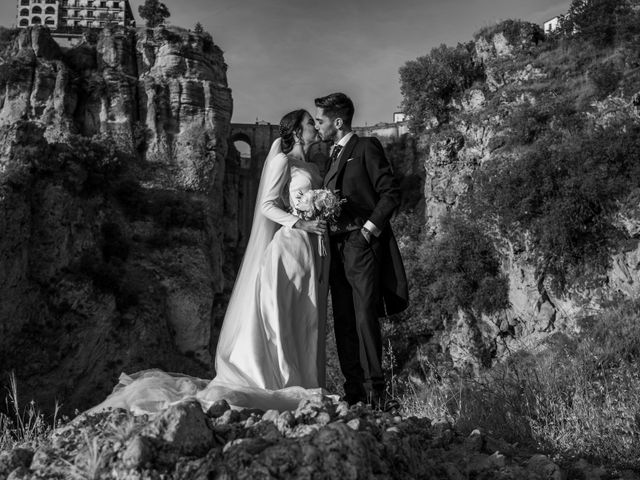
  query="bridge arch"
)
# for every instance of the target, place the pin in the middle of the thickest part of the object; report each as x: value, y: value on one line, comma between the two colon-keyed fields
x: 259, y: 138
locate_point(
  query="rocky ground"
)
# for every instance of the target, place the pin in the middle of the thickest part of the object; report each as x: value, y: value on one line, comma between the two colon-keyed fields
x: 322, y: 438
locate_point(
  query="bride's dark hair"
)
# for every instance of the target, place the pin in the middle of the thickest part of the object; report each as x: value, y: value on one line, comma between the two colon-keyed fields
x: 290, y: 123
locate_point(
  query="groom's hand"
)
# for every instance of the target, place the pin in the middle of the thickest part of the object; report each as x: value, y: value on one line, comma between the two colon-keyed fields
x: 366, y: 234
x: 312, y: 226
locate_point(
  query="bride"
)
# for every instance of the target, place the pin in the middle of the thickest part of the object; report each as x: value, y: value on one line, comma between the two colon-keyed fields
x: 271, y: 349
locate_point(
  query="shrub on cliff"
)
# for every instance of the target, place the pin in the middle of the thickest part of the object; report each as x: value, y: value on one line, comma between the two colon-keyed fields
x: 429, y: 83
x: 154, y: 12
x: 562, y: 195
x: 16, y: 70
x: 515, y: 31
x: 459, y: 270
x: 602, y: 22
x: 7, y: 36
x: 83, y: 166
x: 606, y: 77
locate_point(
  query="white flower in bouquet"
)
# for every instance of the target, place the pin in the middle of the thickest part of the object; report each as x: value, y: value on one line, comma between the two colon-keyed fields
x: 321, y: 204
x: 305, y: 206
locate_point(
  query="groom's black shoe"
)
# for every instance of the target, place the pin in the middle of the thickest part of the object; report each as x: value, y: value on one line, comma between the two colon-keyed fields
x: 353, y: 399
x: 381, y: 400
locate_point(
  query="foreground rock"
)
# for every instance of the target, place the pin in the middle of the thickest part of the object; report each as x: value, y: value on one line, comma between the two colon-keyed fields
x: 321, y: 439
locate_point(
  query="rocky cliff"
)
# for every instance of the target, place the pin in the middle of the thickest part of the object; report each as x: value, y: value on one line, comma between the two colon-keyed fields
x: 112, y: 174
x: 521, y: 73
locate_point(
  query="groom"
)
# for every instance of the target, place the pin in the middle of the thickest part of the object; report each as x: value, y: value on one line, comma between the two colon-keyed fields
x: 367, y: 277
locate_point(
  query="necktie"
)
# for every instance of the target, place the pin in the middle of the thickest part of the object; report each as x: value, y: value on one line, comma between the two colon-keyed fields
x: 335, y: 152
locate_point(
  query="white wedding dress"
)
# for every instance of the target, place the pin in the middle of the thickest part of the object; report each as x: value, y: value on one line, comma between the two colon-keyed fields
x: 271, y: 350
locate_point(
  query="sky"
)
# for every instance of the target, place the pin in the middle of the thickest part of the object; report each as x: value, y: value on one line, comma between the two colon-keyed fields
x: 284, y: 53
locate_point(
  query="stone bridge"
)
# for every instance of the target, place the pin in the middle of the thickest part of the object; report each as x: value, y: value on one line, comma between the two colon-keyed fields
x: 259, y: 137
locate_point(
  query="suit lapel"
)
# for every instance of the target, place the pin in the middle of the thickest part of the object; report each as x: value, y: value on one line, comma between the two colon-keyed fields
x: 344, y: 156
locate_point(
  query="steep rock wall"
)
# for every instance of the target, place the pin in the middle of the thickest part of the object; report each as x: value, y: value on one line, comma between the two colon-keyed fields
x: 474, y: 137
x: 124, y: 272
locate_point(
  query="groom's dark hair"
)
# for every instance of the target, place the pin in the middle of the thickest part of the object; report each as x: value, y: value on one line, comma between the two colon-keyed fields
x: 337, y: 105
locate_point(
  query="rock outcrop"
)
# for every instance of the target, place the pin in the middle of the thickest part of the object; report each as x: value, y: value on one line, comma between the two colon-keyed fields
x: 322, y: 438
x: 475, y: 136
x: 112, y: 179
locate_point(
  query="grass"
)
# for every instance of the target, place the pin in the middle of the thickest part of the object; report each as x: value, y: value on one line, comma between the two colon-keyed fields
x: 578, y: 399
x: 90, y: 462
x: 26, y: 426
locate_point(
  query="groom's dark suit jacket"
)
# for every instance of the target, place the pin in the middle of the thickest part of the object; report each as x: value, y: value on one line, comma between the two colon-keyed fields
x: 364, y: 177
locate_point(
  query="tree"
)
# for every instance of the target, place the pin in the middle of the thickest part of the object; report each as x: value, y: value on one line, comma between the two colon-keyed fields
x: 198, y: 28
x: 601, y: 22
x: 154, y: 12
x: 429, y: 83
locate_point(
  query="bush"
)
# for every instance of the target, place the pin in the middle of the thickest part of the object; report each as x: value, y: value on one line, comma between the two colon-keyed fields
x: 429, y: 83
x: 561, y: 195
x: 606, y: 77
x: 83, y: 166
x: 461, y: 270
x: 16, y: 70
x: 176, y: 210
x: 545, y: 121
x: 602, y: 22
x: 515, y: 31
x: 7, y: 36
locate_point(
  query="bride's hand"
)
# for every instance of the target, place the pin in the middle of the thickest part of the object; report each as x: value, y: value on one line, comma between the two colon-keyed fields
x: 312, y: 226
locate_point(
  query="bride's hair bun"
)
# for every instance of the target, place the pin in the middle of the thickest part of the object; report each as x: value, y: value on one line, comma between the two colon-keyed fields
x: 289, y: 124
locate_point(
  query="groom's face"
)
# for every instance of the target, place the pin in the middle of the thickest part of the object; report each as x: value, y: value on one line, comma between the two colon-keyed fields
x: 325, y: 126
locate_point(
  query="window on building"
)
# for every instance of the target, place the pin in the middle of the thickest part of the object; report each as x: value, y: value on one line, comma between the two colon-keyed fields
x: 24, y: 2
x: 52, y: 2
x: 90, y: 4
x: 49, y: 21
x: 24, y: 22
x: 90, y: 13
x: 36, y: 21
x: 76, y: 23
x: 50, y: 11
x: 103, y: 4
x: 116, y: 4
x: 36, y: 10
x: 24, y: 12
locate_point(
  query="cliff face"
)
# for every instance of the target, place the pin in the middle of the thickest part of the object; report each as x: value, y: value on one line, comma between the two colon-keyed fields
x: 112, y: 174
x: 474, y: 138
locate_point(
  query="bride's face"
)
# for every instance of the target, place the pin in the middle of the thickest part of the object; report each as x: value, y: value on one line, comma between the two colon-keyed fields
x: 309, y: 134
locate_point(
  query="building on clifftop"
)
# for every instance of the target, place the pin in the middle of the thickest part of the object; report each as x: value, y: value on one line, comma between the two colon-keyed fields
x: 69, y: 19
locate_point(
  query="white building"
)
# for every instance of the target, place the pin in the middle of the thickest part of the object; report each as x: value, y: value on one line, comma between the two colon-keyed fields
x: 72, y: 16
x: 552, y: 24
x: 38, y: 12
x: 399, y: 117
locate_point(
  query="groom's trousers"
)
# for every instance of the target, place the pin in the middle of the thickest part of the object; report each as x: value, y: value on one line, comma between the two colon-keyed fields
x: 355, y: 290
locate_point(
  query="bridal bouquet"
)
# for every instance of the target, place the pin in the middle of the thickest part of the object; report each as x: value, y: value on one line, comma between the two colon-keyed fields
x: 319, y: 204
